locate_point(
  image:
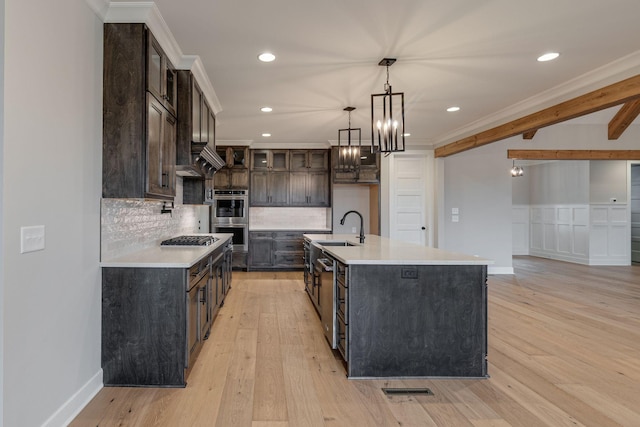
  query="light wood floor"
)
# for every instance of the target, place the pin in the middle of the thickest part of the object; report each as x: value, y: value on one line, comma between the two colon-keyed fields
x: 564, y: 350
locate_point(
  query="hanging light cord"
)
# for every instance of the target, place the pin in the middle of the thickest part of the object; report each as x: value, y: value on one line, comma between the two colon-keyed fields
x: 387, y: 85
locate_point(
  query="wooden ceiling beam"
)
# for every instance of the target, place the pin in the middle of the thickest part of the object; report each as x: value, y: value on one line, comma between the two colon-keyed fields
x: 574, y: 154
x: 623, y: 118
x: 600, y: 99
x: 530, y: 134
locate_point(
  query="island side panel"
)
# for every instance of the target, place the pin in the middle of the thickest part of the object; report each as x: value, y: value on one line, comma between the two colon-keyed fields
x: 422, y: 321
x: 143, y: 326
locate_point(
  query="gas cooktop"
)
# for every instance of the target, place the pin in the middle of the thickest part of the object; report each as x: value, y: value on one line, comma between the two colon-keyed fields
x: 190, y: 241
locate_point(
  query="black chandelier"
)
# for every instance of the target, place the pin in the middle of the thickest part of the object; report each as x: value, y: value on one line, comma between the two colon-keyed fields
x: 349, y: 150
x: 387, y: 117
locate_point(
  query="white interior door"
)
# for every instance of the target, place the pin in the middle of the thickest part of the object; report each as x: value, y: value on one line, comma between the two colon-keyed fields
x: 409, y: 216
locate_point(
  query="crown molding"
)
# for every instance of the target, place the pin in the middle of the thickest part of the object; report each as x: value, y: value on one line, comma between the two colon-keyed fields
x: 100, y: 7
x: 610, y: 73
x: 146, y: 12
x: 194, y: 63
x: 234, y: 142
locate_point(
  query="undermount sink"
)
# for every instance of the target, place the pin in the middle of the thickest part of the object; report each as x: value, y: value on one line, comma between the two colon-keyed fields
x: 336, y: 243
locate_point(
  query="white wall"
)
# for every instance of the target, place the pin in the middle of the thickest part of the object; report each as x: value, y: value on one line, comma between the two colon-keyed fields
x: 478, y: 183
x: 608, y: 180
x: 52, y: 160
x: 348, y: 197
x: 565, y: 182
x: 2, y: 300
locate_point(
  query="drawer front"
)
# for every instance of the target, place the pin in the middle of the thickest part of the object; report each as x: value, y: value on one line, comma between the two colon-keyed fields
x: 260, y: 235
x: 289, y: 235
x: 289, y: 245
x: 289, y: 259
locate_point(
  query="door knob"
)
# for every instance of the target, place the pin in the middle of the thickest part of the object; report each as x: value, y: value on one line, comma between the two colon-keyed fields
x: 424, y: 228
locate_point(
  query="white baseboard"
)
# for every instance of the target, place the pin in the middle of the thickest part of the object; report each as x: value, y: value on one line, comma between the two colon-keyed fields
x: 559, y: 257
x: 609, y: 261
x: 499, y: 270
x: 72, y: 407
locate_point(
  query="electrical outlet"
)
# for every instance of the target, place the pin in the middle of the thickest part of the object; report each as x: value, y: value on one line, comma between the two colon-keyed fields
x: 31, y: 238
x: 353, y: 230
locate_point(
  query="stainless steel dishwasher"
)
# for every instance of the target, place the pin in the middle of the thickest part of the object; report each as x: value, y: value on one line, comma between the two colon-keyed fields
x: 325, y: 266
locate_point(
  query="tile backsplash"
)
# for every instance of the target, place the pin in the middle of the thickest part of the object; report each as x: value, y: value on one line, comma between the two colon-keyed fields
x: 289, y: 218
x: 129, y: 225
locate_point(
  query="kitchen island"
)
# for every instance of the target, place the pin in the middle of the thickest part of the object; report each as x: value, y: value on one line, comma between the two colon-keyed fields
x: 158, y: 306
x: 404, y: 310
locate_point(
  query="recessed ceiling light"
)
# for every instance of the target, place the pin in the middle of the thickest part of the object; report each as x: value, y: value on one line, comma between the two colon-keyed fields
x: 266, y: 109
x: 548, y: 56
x: 453, y: 109
x: 266, y: 57
x: 266, y: 135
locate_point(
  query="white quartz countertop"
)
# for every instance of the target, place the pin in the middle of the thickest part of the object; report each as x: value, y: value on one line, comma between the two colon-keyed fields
x: 167, y: 256
x: 378, y: 250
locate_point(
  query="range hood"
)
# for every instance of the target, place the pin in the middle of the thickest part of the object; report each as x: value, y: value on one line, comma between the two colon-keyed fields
x: 204, y: 162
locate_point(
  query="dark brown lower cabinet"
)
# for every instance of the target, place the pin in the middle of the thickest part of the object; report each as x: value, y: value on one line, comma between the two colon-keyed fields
x: 260, y: 250
x: 277, y: 250
x: 154, y: 320
x: 146, y: 338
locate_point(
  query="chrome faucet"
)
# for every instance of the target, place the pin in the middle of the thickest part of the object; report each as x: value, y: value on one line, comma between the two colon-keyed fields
x: 361, y: 224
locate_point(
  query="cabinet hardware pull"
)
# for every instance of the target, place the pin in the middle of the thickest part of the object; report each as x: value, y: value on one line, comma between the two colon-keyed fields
x: 162, y: 184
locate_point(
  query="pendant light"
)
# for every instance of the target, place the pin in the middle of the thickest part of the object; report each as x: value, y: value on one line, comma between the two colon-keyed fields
x: 516, y: 170
x: 387, y: 117
x: 349, y: 145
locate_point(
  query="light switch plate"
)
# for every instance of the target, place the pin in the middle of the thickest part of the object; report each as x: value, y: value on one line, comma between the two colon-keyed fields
x: 455, y: 218
x: 455, y: 211
x: 353, y: 230
x: 31, y: 238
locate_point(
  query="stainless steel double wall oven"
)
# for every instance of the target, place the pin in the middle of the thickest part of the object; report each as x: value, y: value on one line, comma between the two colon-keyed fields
x: 230, y: 214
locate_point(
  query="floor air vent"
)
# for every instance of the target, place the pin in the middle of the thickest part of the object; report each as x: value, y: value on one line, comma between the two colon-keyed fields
x: 405, y: 391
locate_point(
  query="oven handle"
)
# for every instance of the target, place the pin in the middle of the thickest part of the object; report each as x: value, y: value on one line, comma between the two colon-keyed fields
x: 323, y: 264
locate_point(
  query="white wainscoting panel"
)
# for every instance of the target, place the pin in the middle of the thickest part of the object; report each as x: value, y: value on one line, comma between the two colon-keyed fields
x: 583, y: 234
x: 560, y: 232
x: 635, y: 213
x: 609, y: 238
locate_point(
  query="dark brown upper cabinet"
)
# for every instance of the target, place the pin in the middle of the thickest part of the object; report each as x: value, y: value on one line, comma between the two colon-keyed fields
x: 367, y: 171
x: 309, y: 160
x: 161, y: 76
x: 235, y: 173
x: 139, y: 129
